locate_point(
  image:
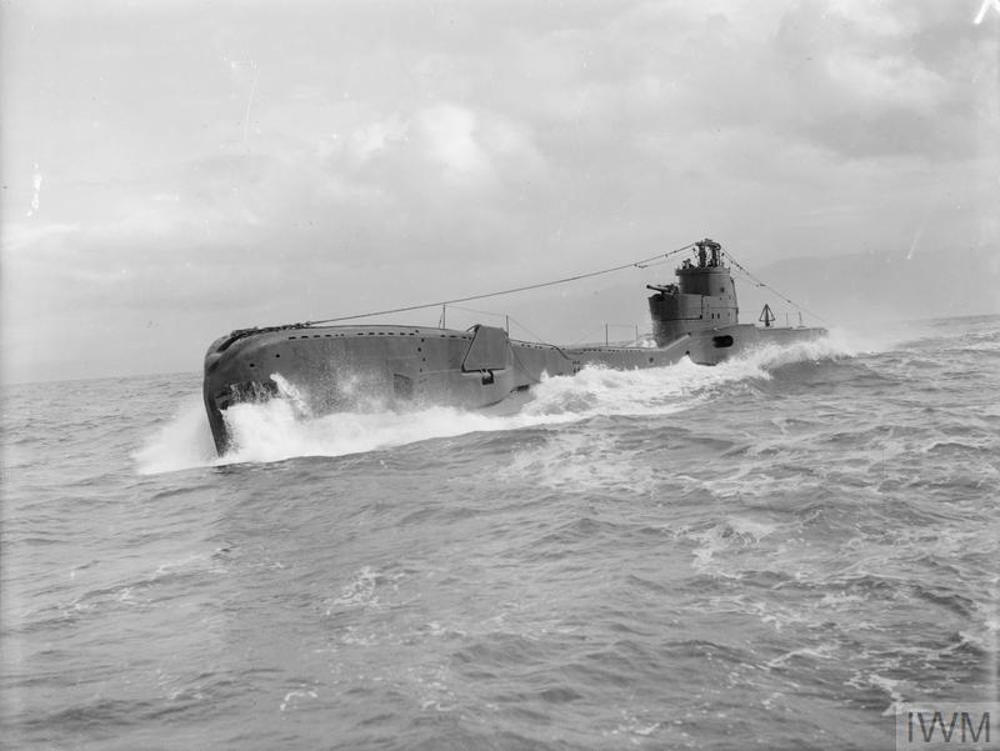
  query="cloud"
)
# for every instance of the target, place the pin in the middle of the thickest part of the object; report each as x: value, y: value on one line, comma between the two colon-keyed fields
x: 451, y: 140
x: 371, y: 139
x: 402, y: 152
x: 870, y: 79
x: 888, y: 80
x: 22, y: 236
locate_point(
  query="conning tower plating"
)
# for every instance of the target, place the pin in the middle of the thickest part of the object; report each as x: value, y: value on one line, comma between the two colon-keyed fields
x: 704, y: 299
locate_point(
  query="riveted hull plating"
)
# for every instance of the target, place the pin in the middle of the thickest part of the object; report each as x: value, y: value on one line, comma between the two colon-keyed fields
x: 349, y: 368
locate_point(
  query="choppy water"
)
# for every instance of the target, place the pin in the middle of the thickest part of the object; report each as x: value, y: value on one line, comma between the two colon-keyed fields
x: 767, y: 553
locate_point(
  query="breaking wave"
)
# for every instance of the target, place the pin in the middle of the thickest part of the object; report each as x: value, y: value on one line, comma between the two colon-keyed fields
x: 277, y: 429
x: 183, y: 443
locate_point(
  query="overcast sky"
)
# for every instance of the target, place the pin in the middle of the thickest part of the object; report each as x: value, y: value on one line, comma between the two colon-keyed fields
x: 174, y: 170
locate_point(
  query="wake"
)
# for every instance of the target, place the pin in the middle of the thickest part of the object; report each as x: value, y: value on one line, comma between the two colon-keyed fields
x: 278, y: 429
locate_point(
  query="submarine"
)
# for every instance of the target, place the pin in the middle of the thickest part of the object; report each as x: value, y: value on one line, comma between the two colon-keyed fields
x: 339, y: 368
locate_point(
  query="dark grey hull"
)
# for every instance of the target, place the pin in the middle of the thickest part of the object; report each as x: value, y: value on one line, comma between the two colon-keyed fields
x: 342, y: 368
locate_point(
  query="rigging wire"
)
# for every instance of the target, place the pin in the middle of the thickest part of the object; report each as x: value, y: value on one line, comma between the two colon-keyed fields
x: 538, y: 339
x: 506, y: 316
x: 589, y: 333
x: 634, y: 264
x: 761, y: 283
x: 654, y: 260
x: 478, y: 311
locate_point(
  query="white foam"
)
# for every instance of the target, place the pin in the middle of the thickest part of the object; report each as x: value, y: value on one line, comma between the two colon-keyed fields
x: 273, y: 431
x: 837, y: 344
x: 294, y: 696
x: 733, y: 533
x: 579, y: 461
x: 276, y: 430
x: 359, y: 591
x: 184, y: 442
x: 280, y: 429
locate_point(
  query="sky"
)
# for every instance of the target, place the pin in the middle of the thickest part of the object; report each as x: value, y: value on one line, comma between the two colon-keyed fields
x: 175, y: 170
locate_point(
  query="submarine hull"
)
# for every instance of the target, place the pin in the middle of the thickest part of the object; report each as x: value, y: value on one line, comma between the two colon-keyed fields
x: 371, y: 368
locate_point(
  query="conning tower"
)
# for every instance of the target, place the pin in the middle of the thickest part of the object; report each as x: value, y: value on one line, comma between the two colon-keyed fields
x: 703, y: 299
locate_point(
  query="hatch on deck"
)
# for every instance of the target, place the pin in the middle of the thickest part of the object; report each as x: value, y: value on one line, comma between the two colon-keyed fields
x: 488, y: 350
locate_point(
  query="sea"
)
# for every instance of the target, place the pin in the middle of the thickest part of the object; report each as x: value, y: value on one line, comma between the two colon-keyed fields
x: 777, y: 552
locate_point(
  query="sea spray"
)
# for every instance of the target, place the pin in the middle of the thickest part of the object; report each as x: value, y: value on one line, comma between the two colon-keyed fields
x: 279, y: 429
x: 272, y: 431
x: 183, y: 443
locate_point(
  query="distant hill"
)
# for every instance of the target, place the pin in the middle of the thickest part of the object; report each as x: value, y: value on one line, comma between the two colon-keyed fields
x: 852, y: 288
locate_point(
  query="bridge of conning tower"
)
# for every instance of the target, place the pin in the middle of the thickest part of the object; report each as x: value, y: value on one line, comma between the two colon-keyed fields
x: 704, y: 297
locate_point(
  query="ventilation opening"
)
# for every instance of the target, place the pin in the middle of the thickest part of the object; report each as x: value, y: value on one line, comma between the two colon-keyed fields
x: 722, y: 341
